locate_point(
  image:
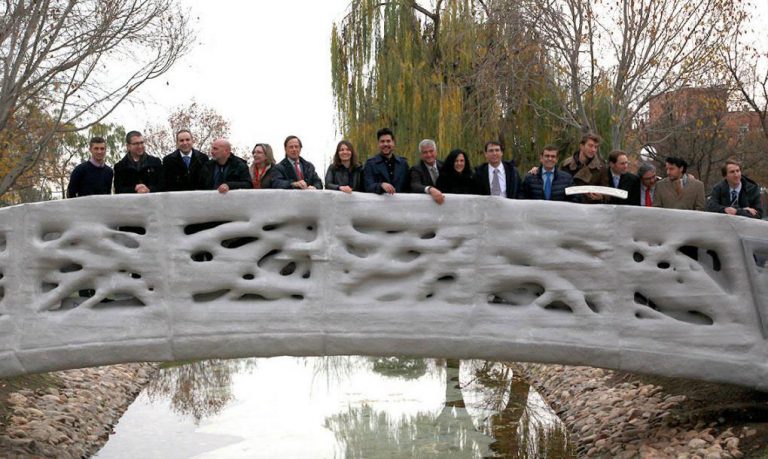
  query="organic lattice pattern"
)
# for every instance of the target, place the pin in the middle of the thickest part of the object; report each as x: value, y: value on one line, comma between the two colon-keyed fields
x: 194, y: 275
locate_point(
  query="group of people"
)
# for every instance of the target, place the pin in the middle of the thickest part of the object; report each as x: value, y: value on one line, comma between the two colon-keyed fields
x: 386, y: 172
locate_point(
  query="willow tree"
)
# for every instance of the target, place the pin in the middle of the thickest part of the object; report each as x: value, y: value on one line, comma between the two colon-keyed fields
x: 434, y: 73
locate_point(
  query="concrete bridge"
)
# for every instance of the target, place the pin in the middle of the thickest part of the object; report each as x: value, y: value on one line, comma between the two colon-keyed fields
x: 265, y: 273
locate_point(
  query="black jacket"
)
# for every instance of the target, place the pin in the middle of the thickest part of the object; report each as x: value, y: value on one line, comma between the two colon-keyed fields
x: 628, y: 182
x: 284, y: 174
x: 235, y: 174
x: 420, y: 177
x: 336, y: 177
x: 749, y: 196
x: 514, y: 184
x: 375, y: 173
x: 148, y: 171
x: 533, y: 185
x: 451, y: 182
x: 176, y: 176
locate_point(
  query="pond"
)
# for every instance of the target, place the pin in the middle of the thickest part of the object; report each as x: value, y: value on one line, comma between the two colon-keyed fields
x: 338, y: 407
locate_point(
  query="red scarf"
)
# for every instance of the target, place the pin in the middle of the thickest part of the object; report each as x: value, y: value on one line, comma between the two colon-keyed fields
x: 258, y: 174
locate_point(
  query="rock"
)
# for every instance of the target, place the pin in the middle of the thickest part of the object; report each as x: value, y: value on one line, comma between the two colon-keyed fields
x: 697, y: 443
x: 41, y: 435
x: 732, y: 443
x: 17, y: 399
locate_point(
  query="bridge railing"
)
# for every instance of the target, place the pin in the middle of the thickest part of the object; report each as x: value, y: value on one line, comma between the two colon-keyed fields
x: 101, y: 280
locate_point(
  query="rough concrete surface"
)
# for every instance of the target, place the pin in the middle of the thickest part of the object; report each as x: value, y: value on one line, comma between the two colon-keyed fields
x: 262, y: 273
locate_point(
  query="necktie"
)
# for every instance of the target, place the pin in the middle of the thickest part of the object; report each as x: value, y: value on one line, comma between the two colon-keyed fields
x: 218, y: 175
x: 433, y: 173
x: 495, y: 184
x: 186, y: 159
x: 548, y: 185
x: 299, y: 175
x: 648, y: 198
x: 615, y: 181
x: 734, y: 197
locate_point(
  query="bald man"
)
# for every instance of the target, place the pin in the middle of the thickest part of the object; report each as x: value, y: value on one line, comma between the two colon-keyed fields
x: 225, y: 171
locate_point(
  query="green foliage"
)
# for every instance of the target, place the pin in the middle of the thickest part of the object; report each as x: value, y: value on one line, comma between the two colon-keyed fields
x: 448, y: 75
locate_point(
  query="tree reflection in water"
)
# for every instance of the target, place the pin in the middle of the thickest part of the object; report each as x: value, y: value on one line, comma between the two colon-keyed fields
x: 488, y: 412
x: 197, y: 389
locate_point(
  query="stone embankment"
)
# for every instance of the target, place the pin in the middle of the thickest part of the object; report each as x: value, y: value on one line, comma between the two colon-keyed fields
x: 613, y: 415
x: 72, y: 416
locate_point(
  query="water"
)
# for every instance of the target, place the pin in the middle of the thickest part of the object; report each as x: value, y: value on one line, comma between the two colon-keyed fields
x: 338, y: 407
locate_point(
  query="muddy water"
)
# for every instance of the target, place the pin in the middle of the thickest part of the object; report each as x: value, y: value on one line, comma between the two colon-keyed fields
x: 338, y: 407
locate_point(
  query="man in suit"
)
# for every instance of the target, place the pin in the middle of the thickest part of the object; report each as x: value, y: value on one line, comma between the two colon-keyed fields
x: 182, y: 168
x: 225, y: 171
x: 138, y: 172
x: 497, y: 177
x: 679, y: 190
x: 294, y: 172
x: 386, y: 172
x: 424, y: 175
x: 617, y: 176
x: 647, y: 184
x: 550, y: 182
x: 736, y: 194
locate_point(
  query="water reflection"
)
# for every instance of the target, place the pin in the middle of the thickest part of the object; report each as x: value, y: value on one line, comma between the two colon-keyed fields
x: 197, y: 389
x: 353, y: 407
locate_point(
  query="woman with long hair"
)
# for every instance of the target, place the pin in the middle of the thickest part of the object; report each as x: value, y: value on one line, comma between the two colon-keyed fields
x: 263, y: 160
x: 345, y: 173
x: 456, y: 174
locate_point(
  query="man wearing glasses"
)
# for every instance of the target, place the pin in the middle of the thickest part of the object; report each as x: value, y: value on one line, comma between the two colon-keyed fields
x: 137, y: 172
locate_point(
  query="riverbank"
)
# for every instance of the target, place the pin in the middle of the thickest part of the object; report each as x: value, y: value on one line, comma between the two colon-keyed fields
x: 614, y: 414
x: 66, y: 414
x: 70, y: 414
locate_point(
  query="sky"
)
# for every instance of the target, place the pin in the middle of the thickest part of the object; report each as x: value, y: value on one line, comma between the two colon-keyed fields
x: 265, y: 66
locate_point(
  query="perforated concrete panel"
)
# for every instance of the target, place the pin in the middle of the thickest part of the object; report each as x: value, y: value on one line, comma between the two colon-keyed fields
x: 111, y: 279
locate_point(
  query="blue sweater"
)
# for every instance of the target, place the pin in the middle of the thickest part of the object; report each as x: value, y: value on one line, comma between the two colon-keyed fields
x: 88, y: 179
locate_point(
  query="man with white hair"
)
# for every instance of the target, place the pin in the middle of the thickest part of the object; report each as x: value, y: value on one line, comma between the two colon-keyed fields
x: 424, y: 175
x: 226, y: 171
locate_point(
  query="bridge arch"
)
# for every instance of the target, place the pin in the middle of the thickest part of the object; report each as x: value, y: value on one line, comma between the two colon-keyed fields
x: 201, y: 275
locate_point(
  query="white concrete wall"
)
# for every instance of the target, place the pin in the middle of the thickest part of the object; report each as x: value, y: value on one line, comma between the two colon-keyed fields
x: 330, y: 273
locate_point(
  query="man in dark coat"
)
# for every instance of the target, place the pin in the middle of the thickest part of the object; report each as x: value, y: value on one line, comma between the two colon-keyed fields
x: 550, y: 182
x: 294, y: 172
x: 617, y: 176
x: 424, y: 175
x: 225, y: 171
x: 92, y: 176
x: 182, y: 168
x: 386, y: 172
x: 497, y: 177
x: 646, y: 186
x: 138, y: 172
x: 736, y: 194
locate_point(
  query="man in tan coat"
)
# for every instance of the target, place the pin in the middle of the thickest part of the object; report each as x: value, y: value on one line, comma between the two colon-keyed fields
x: 679, y: 190
x: 585, y: 166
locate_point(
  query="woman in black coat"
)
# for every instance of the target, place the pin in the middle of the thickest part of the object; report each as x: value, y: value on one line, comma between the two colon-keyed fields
x: 345, y: 173
x: 456, y: 174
